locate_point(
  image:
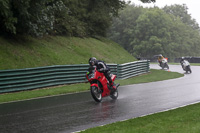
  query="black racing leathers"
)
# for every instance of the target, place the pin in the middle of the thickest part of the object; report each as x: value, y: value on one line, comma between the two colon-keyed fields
x: 102, y: 67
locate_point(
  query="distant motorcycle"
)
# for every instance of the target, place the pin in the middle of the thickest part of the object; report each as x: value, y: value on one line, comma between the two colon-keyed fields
x: 164, y: 64
x: 100, y: 86
x: 186, y: 66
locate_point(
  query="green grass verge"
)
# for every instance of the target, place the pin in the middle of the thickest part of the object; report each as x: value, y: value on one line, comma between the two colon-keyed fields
x: 195, y: 64
x: 154, y: 75
x: 181, y: 120
x: 58, y: 50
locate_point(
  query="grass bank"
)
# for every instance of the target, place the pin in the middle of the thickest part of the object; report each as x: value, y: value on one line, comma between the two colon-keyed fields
x: 154, y: 75
x: 30, y: 52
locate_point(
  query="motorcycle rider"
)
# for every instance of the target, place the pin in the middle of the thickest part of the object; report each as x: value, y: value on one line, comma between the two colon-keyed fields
x: 182, y: 61
x: 102, y: 67
x: 160, y: 57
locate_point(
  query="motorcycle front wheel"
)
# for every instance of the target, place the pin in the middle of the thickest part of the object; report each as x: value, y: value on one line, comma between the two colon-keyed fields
x: 167, y: 66
x: 96, y: 93
x: 114, y: 94
x: 188, y: 69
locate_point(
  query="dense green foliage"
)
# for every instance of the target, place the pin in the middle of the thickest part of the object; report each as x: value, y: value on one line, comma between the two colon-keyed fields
x: 59, y: 50
x: 148, y: 31
x: 69, y: 17
x: 181, y: 12
x: 66, y: 17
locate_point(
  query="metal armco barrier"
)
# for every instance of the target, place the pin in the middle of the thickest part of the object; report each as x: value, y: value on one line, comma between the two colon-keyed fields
x: 40, y: 77
x: 131, y: 69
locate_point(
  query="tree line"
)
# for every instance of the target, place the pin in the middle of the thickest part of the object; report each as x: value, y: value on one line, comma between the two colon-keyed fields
x: 144, y: 32
x: 79, y: 18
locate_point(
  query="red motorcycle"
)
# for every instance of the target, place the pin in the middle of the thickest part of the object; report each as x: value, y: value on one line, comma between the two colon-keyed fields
x: 100, y: 86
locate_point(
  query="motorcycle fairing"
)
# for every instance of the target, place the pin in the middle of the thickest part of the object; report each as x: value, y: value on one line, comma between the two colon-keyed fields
x: 113, y: 77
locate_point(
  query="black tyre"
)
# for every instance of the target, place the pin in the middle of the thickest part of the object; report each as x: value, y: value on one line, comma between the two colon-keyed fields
x: 163, y: 66
x: 189, y: 69
x: 167, y: 66
x: 114, y: 94
x: 96, y: 93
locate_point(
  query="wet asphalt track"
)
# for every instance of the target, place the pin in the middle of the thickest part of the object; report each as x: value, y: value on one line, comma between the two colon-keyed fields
x: 74, y: 112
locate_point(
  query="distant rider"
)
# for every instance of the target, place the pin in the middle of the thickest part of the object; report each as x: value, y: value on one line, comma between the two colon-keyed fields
x: 182, y: 61
x: 103, y: 68
x: 160, y: 58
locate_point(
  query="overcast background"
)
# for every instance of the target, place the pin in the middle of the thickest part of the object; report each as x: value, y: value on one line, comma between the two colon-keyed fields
x: 193, y: 6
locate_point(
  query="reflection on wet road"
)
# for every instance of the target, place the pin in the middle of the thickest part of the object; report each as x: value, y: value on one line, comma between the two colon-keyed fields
x: 74, y: 112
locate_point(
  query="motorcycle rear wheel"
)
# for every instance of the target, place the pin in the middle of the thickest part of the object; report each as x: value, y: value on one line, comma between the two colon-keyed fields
x: 96, y: 94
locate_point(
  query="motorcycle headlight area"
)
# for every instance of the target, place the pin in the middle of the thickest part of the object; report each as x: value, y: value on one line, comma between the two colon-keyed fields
x: 91, y: 76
